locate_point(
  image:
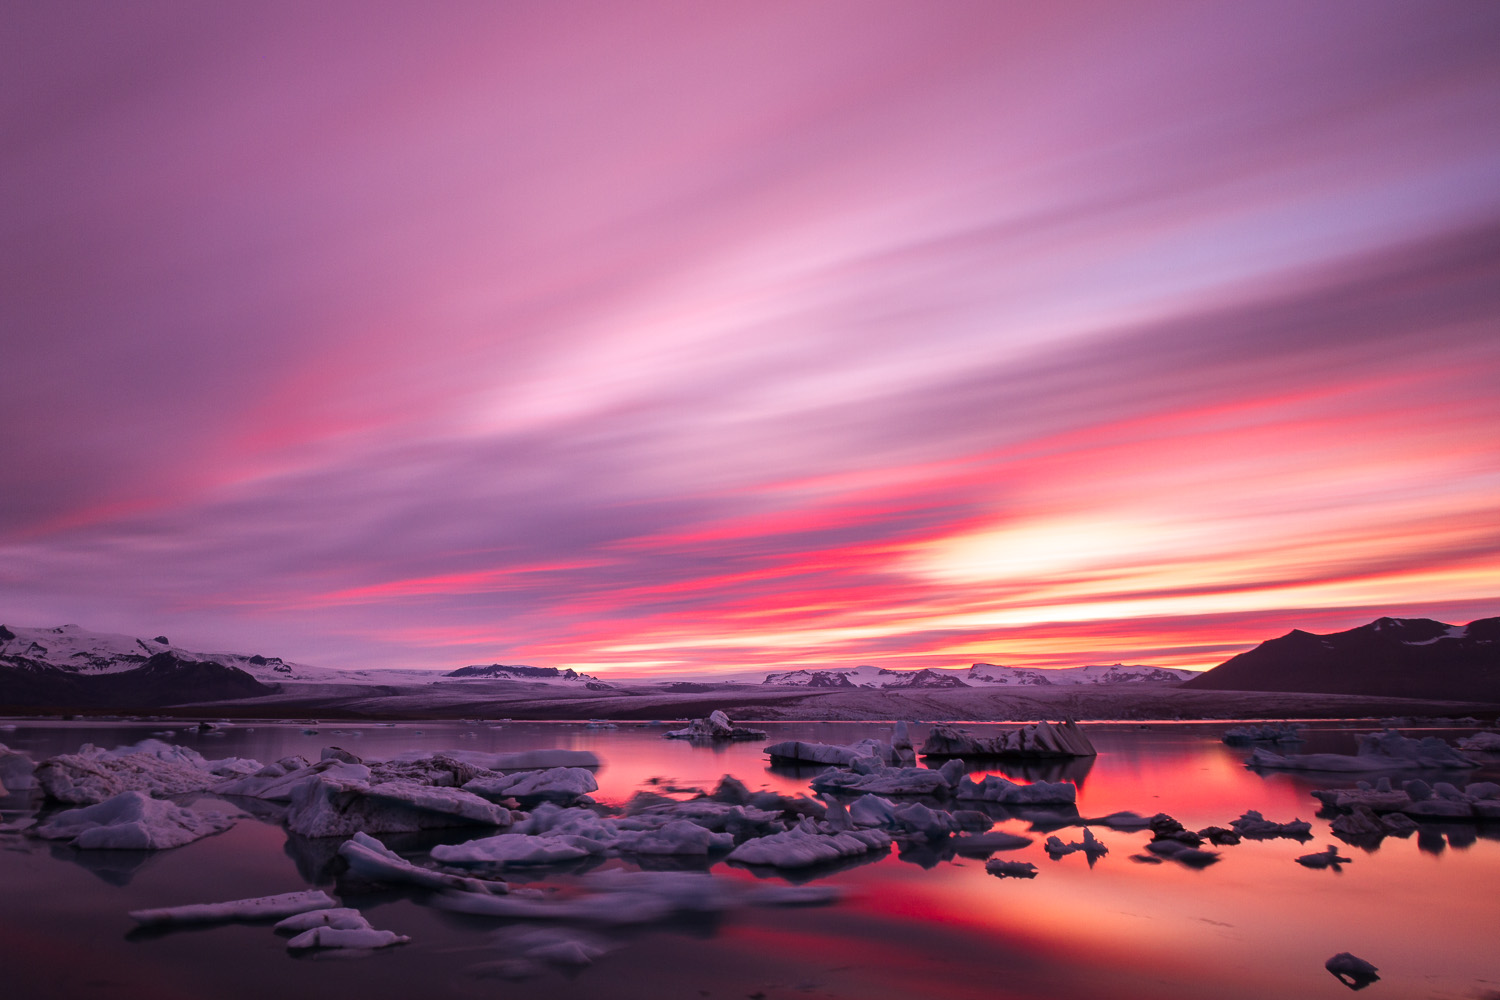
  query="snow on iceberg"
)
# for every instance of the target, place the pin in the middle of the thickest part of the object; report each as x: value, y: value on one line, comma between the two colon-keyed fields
x: 1040, y: 740
x: 90, y: 776
x: 133, y: 821
x: 258, y: 908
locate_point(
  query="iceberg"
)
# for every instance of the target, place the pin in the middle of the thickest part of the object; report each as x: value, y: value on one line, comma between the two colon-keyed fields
x: 563, y: 785
x: 716, y: 727
x: 510, y: 849
x: 1327, y: 858
x: 982, y: 845
x: 339, y: 916
x: 804, y: 846
x: 364, y: 938
x: 1040, y: 740
x: 16, y: 770
x: 369, y: 859
x: 88, y: 777
x: 1487, y: 742
x: 676, y: 837
x: 1271, y: 732
x: 258, y: 908
x: 326, y: 807
x: 1253, y: 826
x: 995, y: 788
x: 133, y: 821
x: 1090, y: 846
x: 1187, y: 854
x: 278, y: 782
x: 800, y: 752
x: 1353, y: 972
x: 1386, y: 751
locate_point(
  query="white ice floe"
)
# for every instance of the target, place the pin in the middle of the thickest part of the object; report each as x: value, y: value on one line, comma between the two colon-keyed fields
x: 90, y: 776
x: 258, y: 908
x: 133, y: 821
x: 716, y: 727
x: 801, y: 752
x: 513, y: 849
x: 329, y: 808
x: 1387, y: 751
x: 1254, y: 826
x: 563, y: 785
x: 1010, y: 869
x: 995, y: 788
x: 804, y: 846
x: 361, y: 938
x: 1043, y: 739
x: 369, y: 859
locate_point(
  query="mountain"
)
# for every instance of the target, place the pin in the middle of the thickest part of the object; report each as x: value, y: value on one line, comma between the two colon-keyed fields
x: 978, y: 675
x: 1394, y: 657
x: 77, y: 651
x: 161, y: 679
x: 505, y: 672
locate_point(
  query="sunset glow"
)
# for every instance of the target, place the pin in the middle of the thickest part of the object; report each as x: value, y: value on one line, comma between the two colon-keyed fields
x: 670, y: 338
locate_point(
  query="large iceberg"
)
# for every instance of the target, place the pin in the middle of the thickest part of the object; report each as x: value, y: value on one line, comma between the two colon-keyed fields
x: 1386, y: 751
x: 1043, y: 739
x: 802, y: 752
x: 716, y: 727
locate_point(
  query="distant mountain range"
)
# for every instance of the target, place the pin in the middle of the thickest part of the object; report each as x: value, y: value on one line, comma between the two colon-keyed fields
x: 506, y: 672
x: 979, y: 675
x: 1393, y: 657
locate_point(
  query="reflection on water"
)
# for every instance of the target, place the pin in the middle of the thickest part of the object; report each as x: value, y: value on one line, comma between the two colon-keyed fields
x: 918, y: 921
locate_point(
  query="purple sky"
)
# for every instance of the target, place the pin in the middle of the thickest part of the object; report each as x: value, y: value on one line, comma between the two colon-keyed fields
x: 660, y: 337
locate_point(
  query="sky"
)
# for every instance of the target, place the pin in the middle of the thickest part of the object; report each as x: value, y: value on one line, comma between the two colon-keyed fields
x: 680, y: 338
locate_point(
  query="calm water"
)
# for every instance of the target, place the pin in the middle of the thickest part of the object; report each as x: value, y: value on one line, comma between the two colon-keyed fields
x: 1255, y: 925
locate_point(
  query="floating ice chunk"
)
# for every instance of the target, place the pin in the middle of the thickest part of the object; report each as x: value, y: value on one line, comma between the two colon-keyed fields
x: 798, y: 751
x: 645, y: 810
x: 562, y: 785
x: 880, y: 780
x: 1484, y: 742
x: 133, y: 821
x: 258, y: 908
x: 677, y: 837
x: 995, y: 788
x: 278, y: 782
x: 984, y: 844
x: 1123, y: 821
x: 511, y: 849
x: 362, y: 938
x: 1091, y: 847
x: 803, y: 846
x: 368, y: 858
x: 16, y: 770
x: 328, y: 808
x: 1387, y: 751
x: 1327, y: 858
x: 1010, y: 869
x: 1254, y: 826
x: 341, y: 917
x: 86, y: 777
x: 1043, y: 739
x: 1271, y: 732
x: 1187, y: 854
x: 1353, y: 972
x: 1361, y: 826
x: 716, y: 727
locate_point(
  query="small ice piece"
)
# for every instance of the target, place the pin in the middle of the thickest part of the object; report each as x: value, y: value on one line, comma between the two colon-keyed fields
x: 361, y: 938
x: 510, y: 849
x: 1091, y: 847
x: 1253, y: 826
x: 1193, y: 857
x: 982, y: 845
x: 804, y: 846
x: 1353, y: 972
x: 1488, y: 742
x: 1010, y: 869
x: 1041, y: 740
x: 368, y: 858
x: 716, y: 727
x: 258, y: 908
x: 1327, y: 858
x: 133, y: 821
x: 341, y: 917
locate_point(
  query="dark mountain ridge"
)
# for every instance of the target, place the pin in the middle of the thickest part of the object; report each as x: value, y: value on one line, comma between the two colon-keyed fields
x: 1391, y: 657
x: 163, y: 679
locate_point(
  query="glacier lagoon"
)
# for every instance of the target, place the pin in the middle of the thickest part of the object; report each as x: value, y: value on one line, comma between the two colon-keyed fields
x: 916, y: 921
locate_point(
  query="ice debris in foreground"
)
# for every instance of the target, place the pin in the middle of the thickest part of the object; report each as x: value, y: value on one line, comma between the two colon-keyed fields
x: 259, y: 908
x: 133, y: 821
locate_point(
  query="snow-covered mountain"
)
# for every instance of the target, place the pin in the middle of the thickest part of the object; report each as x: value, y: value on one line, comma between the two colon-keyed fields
x: 77, y: 651
x: 978, y: 675
x: 515, y: 672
